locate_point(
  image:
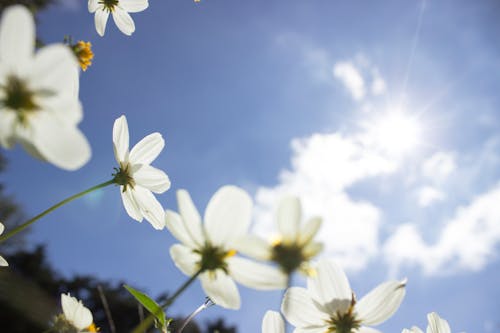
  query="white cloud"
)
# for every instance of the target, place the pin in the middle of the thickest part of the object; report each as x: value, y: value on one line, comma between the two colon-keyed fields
x: 427, y: 195
x: 351, y: 77
x: 439, y: 166
x: 379, y: 87
x: 466, y: 242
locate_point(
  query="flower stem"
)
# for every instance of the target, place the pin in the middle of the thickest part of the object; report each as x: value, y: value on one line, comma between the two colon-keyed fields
x: 26, y: 224
x: 144, y: 325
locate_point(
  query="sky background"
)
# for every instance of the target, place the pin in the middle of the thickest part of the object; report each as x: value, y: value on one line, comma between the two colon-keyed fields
x: 295, y: 97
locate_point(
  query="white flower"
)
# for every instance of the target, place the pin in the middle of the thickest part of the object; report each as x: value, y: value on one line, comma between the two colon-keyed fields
x: 136, y: 177
x: 119, y: 9
x: 273, y: 323
x: 436, y: 325
x: 76, y: 314
x: 210, y: 248
x: 328, y: 304
x: 295, y: 246
x: 39, y: 105
x: 3, y: 262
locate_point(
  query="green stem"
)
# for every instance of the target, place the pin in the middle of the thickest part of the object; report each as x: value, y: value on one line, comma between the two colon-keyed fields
x: 26, y: 224
x: 144, y: 325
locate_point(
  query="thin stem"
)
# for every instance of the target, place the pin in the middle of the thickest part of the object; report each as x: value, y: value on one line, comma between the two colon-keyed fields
x: 26, y: 224
x: 208, y: 303
x: 144, y: 325
x: 107, y: 311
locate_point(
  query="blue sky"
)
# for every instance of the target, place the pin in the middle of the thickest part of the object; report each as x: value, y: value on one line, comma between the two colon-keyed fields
x: 290, y: 97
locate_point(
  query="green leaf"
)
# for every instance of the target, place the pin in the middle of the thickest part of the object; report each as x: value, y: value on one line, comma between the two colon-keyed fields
x: 149, y: 304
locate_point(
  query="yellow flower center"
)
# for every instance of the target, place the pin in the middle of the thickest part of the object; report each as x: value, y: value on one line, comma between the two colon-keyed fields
x: 213, y: 258
x: 84, y: 54
x: 92, y: 328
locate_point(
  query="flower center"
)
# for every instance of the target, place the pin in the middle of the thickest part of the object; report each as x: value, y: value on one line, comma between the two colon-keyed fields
x: 84, y: 54
x: 213, y: 257
x: 344, y: 322
x: 18, y: 97
x: 122, y: 176
x: 109, y: 5
x: 288, y: 256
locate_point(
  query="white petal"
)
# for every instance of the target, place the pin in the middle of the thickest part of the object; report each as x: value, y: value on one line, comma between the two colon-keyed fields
x: 134, y: 6
x: 221, y: 289
x: 101, y: 17
x: 7, y: 126
x: 130, y: 204
x: 177, y: 227
x: 3, y: 262
x: 299, y: 309
x: 65, y: 107
x: 309, y: 230
x: 93, y: 5
x: 273, y: 323
x: 228, y: 215
x: 437, y: 324
x: 364, y: 329
x: 146, y: 150
x: 414, y: 329
x: 60, y: 143
x: 288, y: 216
x: 320, y: 329
x: 2, y: 228
x: 184, y: 258
x: 121, y: 139
x: 76, y: 312
x: 380, y: 303
x: 191, y: 217
x: 254, y: 247
x: 150, y: 207
x: 123, y: 21
x: 255, y: 275
x: 17, y: 37
x: 152, y: 178
x: 330, y: 287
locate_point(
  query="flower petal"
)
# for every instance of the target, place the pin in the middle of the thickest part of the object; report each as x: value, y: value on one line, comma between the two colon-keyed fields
x: 309, y: 230
x: 380, y: 303
x: 147, y: 150
x: 221, y: 289
x: 131, y: 205
x: 123, y: 21
x: 134, y: 6
x: 288, y: 216
x: 2, y: 228
x: 7, y: 126
x: 177, y: 228
x: 121, y: 139
x: 299, y: 309
x: 414, y: 329
x: 330, y: 287
x: 150, y: 207
x: 93, y: 5
x: 255, y: 275
x: 184, y: 258
x: 228, y: 215
x: 17, y: 37
x: 101, y: 17
x: 254, y: 247
x: 312, y: 249
x: 76, y: 312
x: 273, y: 323
x: 190, y: 217
x: 437, y: 324
x: 60, y: 143
x: 152, y: 178
x: 3, y: 262
x: 364, y: 329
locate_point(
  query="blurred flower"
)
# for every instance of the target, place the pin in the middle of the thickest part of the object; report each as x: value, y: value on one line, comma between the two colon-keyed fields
x: 329, y: 305
x: 39, y: 105
x: 273, y: 323
x: 209, y: 249
x: 295, y: 247
x: 119, y: 9
x: 75, y: 316
x: 136, y: 177
x: 84, y: 54
x: 3, y: 262
x: 436, y: 325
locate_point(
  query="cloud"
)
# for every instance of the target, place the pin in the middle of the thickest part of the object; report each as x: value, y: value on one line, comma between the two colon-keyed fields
x: 439, y: 166
x: 427, y: 195
x: 466, y: 242
x: 351, y: 77
x: 379, y: 87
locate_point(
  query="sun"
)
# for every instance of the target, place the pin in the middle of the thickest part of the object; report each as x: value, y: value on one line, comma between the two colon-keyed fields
x: 396, y: 132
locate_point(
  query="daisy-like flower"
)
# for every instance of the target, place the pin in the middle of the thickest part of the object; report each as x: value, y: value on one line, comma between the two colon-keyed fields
x: 136, y: 177
x: 39, y: 105
x: 120, y: 10
x: 209, y: 249
x: 75, y: 317
x: 328, y: 304
x: 273, y: 323
x: 84, y: 54
x: 294, y: 247
x: 436, y: 325
x: 3, y: 262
